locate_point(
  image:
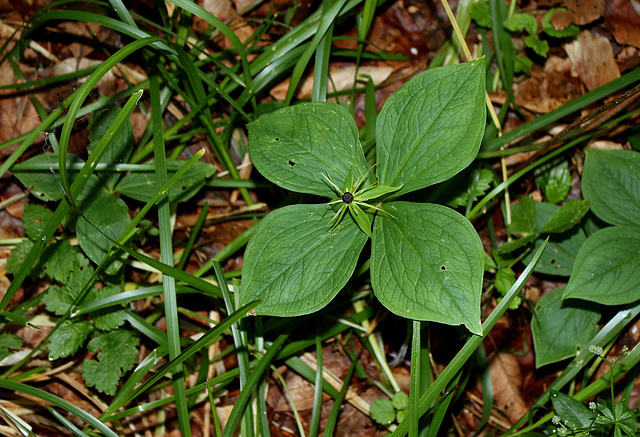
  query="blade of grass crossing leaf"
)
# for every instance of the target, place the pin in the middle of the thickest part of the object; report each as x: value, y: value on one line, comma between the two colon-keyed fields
x: 241, y: 346
x: 82, y: 94
x: 370, y: 114
x: 166, y: 257
x: 58, y: 402
x: 245, y: 395
x: 454, y: 366
x: 197, y: 346
x: 414, y: 380
x: 326, y: 20
x: 332, y: 420
x: 317, y: 392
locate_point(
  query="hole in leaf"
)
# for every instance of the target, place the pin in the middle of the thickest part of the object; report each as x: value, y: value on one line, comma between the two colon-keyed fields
x: 291, y: 163
x: 552, y: 260
x: 277, y: 138
x: 443, y: 268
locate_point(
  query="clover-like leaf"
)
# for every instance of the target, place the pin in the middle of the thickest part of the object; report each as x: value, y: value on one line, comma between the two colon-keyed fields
x: 295, y: 146
x: 427, y: 264
x: 296, y: 263
x: 431, y: 128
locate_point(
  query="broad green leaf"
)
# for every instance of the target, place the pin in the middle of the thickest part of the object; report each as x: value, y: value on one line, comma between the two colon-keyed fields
x: 10, y: 341
x: 562, y: 326
x: 427, y: 264
x: 554, y: 179
x: 574, y: 414
x: 66, y: 340
x: 400, y: 400
x: 431, y: 128
x: 519, y: 243
x: 46, y: 184
x: 110, y: 215
x: 293, y: 147
x: 607, y: 266
x: 562, y: 249
x: 382, y: 411
x: 569, y: 215
x: 142, y: 185
x: 523, y: 217
x: 295, y: 263
x: 18, y: 254
x: 34, y: 219
x: 519, y: 22
x: 611, y: 180
x: 522, y: 64
x: 118, y: 354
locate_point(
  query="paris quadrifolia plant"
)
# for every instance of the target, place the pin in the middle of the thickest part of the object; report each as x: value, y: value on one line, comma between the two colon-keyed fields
x: 426, y: 259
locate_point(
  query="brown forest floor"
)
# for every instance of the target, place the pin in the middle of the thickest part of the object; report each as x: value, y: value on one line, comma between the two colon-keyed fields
x: 608, y: 46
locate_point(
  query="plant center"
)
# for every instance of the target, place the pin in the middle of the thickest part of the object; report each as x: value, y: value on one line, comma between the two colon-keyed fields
x: 347, y: 197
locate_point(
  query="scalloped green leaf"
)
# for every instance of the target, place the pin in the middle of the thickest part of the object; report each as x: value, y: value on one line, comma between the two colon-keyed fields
x: 606, y: 268
x: 66, y: 340
x: 427, y: 264
x: 431, y: 128
x: 562, y: 326
x: 296, y: 263
x: 117, y: 354
x: 611, y: 181
x: 294, y: 146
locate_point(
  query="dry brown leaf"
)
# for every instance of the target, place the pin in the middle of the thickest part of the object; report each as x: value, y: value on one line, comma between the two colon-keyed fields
x: 507, y: 381
x: 593, y: 59
x: 578, y: 12
x: 341, y: 77
x: 622, y: 17
x: 222, y: 9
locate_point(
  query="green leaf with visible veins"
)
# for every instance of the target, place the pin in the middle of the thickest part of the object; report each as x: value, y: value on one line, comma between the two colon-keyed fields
x: 606, y: 267
x: 118, y: 354
x: 569, y: 215
x: 109, y: 214
x: 66, y: 340
x: 295, y: 146
x: 427, y: 264
x: 382, y: 411
x: 562, y: 326
x: 295, y: 263
x: 431, y: 128
x: 109, y: 318
x: 58, y: 299
x: 34, y: 219
x: 611, y: 180
x: 523, y: 217
x: 59, y: 260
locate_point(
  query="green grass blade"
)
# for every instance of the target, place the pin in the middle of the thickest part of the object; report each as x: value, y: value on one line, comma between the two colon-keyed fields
x: 326, y: 20
x: 166, y: 257
x: 414, y: 380
x: 317, y: 392
x: 58, y: 402
x: 122, y: 12
x: 332, y: 420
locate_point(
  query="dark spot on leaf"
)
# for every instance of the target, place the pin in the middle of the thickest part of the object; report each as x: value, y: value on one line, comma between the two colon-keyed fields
x: 291, y: 163
x: 277, y: 138
x: 552, y: 260
x: 443, y: 268
x: 184, y: 187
